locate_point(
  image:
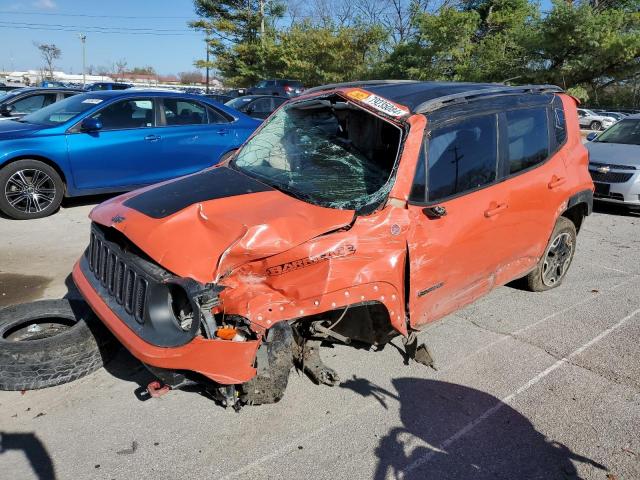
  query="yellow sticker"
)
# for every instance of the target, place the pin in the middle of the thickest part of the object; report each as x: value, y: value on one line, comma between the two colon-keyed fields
x: 358, y: 94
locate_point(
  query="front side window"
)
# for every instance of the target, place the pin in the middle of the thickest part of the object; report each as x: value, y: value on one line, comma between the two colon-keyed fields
x: 33, y: 103
x: 328, y: 152
x: 184, y: 112
x: 462, y: 157
x: 527, y: 138
x: 262, y: 105
x: 130, y: 113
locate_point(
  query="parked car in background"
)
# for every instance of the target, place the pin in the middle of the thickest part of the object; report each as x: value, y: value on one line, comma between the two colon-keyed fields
x: 617, y: 116
x: 256, y: 106
x: 594, y: 121
x: 235, y: 92
x: 363, y: 212
x: 92, y: 87
x: 219, y: 97
x: 283, y: 88
x: 614, y: 162
x: 110, y: 141
x: 23, y: 101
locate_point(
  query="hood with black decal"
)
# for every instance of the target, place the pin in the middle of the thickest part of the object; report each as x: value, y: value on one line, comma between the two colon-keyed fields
x: 205, y: 225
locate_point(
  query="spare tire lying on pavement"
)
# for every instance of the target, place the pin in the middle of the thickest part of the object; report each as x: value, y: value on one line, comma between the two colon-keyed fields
x: 50, y: 342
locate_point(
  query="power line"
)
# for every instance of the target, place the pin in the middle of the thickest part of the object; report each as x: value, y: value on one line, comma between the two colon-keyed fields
x: 13, y: 12
x: 134, y: 29
x: 90, y: 30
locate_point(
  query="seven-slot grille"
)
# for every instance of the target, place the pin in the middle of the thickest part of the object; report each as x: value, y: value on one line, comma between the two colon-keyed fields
x: 122, y: 282
x: 610, y: 177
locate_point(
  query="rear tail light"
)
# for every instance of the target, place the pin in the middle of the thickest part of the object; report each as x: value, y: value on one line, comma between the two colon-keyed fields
x: 287, y: 88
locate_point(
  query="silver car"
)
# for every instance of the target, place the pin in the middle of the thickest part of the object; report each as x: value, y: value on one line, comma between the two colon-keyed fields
x: 614, y: 162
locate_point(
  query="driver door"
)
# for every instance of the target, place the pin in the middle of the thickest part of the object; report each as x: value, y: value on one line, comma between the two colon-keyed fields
x: 123, y: 153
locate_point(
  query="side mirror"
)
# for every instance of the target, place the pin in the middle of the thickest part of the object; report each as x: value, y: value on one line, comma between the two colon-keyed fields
x: 592, y: 136
x: 91, y: 125
x: 7, y: 110
x: 249, y: 110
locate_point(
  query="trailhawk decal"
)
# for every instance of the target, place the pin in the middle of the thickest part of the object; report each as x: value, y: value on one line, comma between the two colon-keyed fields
x: 378, y: 103
x: 342, y: 251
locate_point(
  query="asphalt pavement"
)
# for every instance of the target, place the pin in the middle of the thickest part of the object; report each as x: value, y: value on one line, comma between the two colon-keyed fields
x: 527, y: 386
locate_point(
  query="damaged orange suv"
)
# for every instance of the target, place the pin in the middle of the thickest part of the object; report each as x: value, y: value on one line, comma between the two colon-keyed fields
x: 356, y: 213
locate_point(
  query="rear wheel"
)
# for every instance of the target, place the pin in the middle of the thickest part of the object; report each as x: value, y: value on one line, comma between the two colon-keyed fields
x: 29, y: 189
x: 555, y: 262
x: 595, y: 125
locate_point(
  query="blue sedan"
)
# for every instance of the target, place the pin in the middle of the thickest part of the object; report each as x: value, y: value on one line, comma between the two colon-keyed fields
x: 110, y: 141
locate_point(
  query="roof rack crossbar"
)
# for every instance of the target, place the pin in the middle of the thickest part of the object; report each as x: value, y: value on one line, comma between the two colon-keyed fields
x: 436, y: 103
x: 359, y: 83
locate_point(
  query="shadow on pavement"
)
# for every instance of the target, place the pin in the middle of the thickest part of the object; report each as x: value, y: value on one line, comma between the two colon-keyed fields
x: 34, y: 451
x: 449, y: 431
x: 614, y: 209
x: 71, y: 202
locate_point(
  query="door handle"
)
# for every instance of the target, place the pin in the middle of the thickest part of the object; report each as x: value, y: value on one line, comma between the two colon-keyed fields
x: 494, y: 209
x: 222, y: 131
x: 556, y: 181
x: 152, y: 138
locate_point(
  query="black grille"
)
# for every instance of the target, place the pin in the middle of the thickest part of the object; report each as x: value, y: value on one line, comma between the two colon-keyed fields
x: 615, y: 167
x: 122, y: 282
x: 610, y: 177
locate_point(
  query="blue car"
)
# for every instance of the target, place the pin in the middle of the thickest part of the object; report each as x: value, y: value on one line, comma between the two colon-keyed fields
x: 110, y: 141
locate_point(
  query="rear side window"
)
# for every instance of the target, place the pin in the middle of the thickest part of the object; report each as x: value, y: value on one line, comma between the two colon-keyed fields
x: 527, y: 138
x: 462, y: 157
x: 184, y: 112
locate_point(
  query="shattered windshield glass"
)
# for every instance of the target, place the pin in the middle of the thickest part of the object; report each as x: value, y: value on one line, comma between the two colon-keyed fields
x: 325, y: 151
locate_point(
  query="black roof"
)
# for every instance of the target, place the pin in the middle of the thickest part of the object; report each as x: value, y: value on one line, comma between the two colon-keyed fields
x: 425, y: 96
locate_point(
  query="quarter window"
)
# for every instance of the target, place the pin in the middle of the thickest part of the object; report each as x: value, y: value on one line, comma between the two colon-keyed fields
x: 527, y: 138
x: 184, y: 112
x: 560, y: 123
x: 462, y: 157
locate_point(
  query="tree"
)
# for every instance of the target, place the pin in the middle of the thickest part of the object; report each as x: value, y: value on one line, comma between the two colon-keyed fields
x: 143, y: 70
x: 49, y: 53
x: 188, y: 78
x: 120, y: 68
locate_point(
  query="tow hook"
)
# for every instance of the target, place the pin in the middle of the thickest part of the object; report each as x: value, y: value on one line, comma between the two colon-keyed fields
x: 157, y: 389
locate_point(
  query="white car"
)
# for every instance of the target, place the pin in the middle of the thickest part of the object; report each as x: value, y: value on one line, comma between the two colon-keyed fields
x: 593, y: 121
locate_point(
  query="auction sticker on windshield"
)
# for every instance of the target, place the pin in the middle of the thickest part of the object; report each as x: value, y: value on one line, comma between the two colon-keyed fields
x: 378, y: 103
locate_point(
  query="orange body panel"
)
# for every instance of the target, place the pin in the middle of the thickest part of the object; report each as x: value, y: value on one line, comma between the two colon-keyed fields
x: 281, y: 259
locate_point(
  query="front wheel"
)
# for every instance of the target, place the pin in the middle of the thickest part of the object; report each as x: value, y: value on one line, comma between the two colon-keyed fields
x: 555, y: 262
x: 29, y: 189
x: 595, y: 125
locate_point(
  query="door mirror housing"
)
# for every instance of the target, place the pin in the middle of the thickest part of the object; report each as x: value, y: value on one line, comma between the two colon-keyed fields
x: 7, y: 110
x: 435, y: 212
x: 592, y: 136
x: 249, y: 110
x: 91, y: 125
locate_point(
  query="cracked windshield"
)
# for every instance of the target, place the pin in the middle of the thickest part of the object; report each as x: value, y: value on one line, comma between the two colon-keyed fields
x: 328, y: 152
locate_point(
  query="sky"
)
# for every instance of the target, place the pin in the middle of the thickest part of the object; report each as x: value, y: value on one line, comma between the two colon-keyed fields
x: 168, y: 44
x: 142, y: 32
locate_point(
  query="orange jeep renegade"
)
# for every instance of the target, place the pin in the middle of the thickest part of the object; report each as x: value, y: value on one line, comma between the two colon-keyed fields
x: 356, y: 213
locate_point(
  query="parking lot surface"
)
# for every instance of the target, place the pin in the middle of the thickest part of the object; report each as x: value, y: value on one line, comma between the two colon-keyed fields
x: 527, y: 386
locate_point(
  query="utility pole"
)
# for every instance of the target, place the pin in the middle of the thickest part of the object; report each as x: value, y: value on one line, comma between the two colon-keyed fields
x: 262, y: 22
x: 206, y: 42
x: 83, y: 39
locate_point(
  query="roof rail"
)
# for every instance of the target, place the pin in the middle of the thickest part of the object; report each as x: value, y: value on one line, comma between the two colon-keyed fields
x: 436, y: 103
x: 359, y: 83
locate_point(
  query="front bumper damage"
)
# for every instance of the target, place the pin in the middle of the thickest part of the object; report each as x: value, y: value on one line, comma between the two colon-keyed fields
x: 224, y: 362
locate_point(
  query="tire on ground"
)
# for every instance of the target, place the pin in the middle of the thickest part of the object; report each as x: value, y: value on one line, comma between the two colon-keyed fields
x: 27, y: 164
x: 275, y: 360
x: 534, y: 279
x: 76, y: 351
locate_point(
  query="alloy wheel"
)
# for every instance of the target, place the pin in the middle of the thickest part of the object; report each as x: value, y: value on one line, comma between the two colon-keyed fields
x: 30, y: 190
x: 557, y: 259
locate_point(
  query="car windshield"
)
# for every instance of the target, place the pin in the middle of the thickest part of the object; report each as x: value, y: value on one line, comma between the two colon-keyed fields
x: 62, y: 111
x: 237, y: 103
x: 324, y: 151
x: 626, y: 131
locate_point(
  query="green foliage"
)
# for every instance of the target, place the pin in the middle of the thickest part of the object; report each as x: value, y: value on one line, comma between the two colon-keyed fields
x: 588, y: 45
